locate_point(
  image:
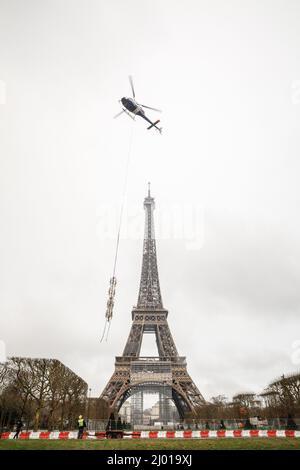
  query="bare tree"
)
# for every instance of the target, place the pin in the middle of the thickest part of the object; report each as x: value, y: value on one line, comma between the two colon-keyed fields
x: 4, y: 375
x: 245, y: 399
x: 219, y: 401
x: 283, y: 394
x: 32, y: 379
x: 50, y: 386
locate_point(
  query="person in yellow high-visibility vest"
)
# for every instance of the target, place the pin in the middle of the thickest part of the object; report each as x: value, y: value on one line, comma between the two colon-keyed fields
x: 81, y: 426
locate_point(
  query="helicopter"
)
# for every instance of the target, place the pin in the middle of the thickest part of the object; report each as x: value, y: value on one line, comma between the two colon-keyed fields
x: 132, y: 108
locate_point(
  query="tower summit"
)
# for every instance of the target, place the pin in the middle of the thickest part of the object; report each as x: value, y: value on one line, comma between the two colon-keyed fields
x: 166, y: 373
x: 149, y: 293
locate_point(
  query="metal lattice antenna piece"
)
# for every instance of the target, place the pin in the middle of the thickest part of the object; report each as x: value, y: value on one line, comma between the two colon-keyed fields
x: 149, y: 293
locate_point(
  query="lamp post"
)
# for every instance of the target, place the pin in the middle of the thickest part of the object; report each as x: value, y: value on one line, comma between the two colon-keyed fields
x: 88, y: 409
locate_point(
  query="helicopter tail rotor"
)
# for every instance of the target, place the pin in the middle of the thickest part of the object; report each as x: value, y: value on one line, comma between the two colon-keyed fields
x: 154, y: 125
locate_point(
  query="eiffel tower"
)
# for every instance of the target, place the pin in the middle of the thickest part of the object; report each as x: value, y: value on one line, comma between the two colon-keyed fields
x: 166, y: 374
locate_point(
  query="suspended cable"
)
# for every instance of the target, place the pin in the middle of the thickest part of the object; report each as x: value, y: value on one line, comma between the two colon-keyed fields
x: 113, y: 280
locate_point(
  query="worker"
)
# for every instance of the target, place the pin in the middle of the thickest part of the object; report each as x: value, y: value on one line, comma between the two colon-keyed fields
x: 81, y: 426
x: 19, y: 427
x: 222, y: 424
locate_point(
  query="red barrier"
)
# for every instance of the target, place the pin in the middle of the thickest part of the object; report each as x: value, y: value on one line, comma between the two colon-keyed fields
x: 188, y: 434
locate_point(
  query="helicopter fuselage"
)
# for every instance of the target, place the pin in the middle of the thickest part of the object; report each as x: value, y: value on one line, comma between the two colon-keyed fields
x: 131, y: 105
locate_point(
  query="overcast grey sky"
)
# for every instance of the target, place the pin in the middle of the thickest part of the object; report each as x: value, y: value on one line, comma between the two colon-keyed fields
x: 225, y: 176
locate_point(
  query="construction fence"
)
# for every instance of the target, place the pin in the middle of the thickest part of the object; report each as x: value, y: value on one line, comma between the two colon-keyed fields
x: 205, y: 424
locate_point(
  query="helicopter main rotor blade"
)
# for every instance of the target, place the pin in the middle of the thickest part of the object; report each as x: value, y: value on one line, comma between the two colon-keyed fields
x: 153, y: 109
x: 131, y: 84
x: 119, y: 114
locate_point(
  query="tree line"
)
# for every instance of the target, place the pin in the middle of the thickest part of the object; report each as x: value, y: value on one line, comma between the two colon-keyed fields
x: 280, y: 399
x: 44, y: 393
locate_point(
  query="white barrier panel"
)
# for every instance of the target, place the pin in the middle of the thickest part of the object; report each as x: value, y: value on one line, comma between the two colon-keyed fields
x: 229, y: 433
x: 179, y: 434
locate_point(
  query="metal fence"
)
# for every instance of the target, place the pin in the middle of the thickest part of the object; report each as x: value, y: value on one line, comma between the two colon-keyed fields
x: 202, y: 424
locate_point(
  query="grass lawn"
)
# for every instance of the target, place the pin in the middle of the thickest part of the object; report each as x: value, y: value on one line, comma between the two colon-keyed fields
x: 155, y: 444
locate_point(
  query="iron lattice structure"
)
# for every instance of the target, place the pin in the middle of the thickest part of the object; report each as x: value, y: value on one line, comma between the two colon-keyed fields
x: 168, y: 372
